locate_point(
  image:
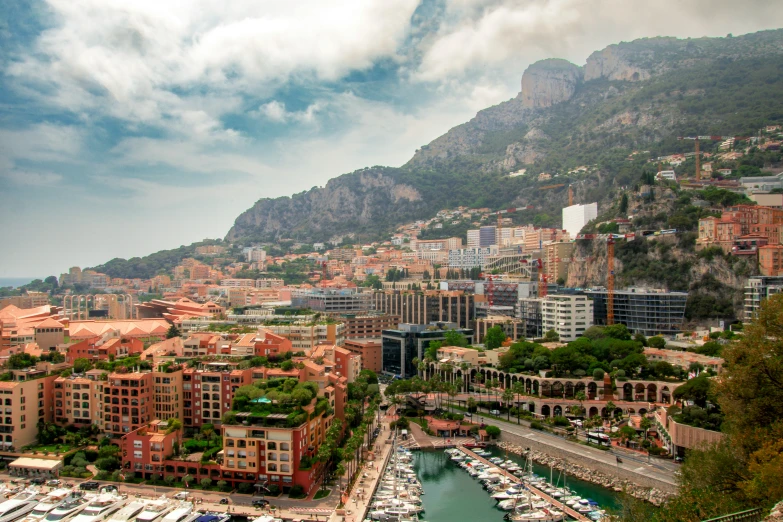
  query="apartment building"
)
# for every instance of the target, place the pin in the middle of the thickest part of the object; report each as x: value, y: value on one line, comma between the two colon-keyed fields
x: 30, y: 300
x: 424, y: 307
x: 456, y: 356
x: 568, y: 315
x: 209, y: 390
x: 78, y: 399
x: 330, y: 300
x: 771, y: 260
x: 513, y: 327
x: 370, y: 352
x: 451, y: 243
x: 467, y: 258
x: 643, y: 310
x: 25, y: 401
x: 759, y: 288
x: 684, y: 359
x: 367, y: 326
x: 168, y: 394
x: 557, y: 257
x: 128, y: 402
x: 305, y: 336
x: 345, y: 362
x: 488, y: 236
x: 103, y: 348
x: 409, y: 341
x: 145, y: 449
x: 474, y: 239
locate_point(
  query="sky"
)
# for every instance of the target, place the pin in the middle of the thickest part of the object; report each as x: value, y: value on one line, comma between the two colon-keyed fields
x: 127, y: 127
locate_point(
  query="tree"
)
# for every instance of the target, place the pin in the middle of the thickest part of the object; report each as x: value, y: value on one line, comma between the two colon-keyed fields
x: 610, y: 407
x: 696, y: 390
x: 508, y: 396
x: 471, y: 404
x: 455, y: 338
x: 627, y: 433
x: 624, y: 203
x: 81, y: 365
x: 519, y: 389
x: 170, y: 479
x: 551, y: 336
x: 222, y: 484
x: 492, y: 431
x: 206, y: 482
x: 598, y: 374
x: 187, y: 479
x: 656, y: 342
x: 494, y: 338
x: 581, y: 397
x: 172, y: 332
x: 287, y: 366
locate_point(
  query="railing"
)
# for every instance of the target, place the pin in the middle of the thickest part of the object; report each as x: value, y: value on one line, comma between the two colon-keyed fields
x: 748, y: 515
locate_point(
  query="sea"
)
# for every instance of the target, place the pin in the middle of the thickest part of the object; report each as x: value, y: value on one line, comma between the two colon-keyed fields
x: 13, y: 282
x: 452, y: 495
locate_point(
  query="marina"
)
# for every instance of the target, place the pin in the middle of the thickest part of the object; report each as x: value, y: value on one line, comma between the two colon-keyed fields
x: 477, y: 483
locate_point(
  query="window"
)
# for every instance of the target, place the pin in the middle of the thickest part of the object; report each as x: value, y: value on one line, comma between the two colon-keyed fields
x: 284, y: 446
x: 137, y: 454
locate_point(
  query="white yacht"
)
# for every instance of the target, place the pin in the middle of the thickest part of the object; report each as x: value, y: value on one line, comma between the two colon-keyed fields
x: 267, y: 518
x: 18, y: 505
x: 129, y: 512
x: 182, y: 512
x: 47, y: 504
x: 155, y: 509
x: 211, y: 516
x: 100, y: 508
x: 70, y: 507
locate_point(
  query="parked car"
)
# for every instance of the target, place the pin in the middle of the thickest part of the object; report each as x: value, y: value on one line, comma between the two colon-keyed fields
x: 109, y: 488
x: 89, y: 485
x: 182, y: 495
x: 494, y: 412
x: 260, y: 502
x: 53, y: 482
x: 468, y: 414
x: 224, y: 501
x: 38, y: 481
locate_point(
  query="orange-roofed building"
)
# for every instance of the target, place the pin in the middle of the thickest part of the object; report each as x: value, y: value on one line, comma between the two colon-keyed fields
x: 179, y: 309
x: 208, y: 391
x: 135, y: 328
x: 145, y: 448
x: 104, y: 348
x: 128, y: 402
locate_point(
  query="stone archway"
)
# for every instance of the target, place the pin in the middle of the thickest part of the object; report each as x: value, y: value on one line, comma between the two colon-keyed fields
x: 627, y: 391
x: 569, y: 389
x: 545, y: 410
x: 652, y: 392
x: 592, y: 390
x: 592, y: 412
x: 536, y: 387
x: 557, y: 389
x: 557, y: 411
x: 666, y: 395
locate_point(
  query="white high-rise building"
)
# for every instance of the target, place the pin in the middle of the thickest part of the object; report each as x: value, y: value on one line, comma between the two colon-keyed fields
x: 568, y: 315
x: 474, y: 239
x: 577, y: 216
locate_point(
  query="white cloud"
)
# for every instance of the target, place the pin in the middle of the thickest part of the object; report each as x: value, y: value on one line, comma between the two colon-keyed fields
x: 138, y: 61
x: 30, y: 178
x: 482, y: 34
x: 276, y: 111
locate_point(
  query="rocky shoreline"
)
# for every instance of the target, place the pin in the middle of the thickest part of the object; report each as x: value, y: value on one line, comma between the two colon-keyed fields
x: 651, y: 495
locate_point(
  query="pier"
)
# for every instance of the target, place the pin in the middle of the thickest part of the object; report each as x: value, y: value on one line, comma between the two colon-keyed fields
x: 559, y: 505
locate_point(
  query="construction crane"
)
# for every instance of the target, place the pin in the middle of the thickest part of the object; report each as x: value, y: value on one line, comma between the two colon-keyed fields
x: 547, y: 187
x: 323, y: 274
x: 543, y: 289
x: 490, y: 288
x: 610, y: 242
x: 706, y: 138
x: 500, y: 213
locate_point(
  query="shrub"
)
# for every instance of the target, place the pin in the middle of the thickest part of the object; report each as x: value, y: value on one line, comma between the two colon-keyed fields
x: 561, y: 421
x: 91, y: 455
x: 206, y: 482
x: 492, y: 431
x: 536, y: 425
x: 296, y: 491
x: 598, y: 374
x: 245, y: 488
x: 274, y: 490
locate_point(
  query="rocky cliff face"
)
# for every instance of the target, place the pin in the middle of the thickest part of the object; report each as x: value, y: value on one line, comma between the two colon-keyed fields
x: 346, y: 205
x: 548, y: 82
x: 612, y: 63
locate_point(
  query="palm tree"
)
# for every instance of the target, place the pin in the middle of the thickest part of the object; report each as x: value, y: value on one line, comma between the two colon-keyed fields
x: 507, y: 396
x: 465, y: 375
x: 495, y: 385
x: 610, y: 407
x: 415, y: 362
x: 519, y: 389
x: 452, y: 390
x: 471, y: 404
x: 581, y: 397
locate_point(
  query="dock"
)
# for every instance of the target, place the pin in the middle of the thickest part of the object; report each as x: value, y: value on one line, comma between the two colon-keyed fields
x: 559, y: 505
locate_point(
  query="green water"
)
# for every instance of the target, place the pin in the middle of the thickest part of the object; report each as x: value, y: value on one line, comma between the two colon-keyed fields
x: 452, y: 495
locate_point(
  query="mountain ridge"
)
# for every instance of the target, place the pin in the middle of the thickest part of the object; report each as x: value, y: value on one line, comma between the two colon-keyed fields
x: 627, y: 96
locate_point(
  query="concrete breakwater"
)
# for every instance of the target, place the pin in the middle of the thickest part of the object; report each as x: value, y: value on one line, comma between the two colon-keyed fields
x: 650, y: 494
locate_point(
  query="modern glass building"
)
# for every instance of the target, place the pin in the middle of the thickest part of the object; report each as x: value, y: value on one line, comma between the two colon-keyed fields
x: 409, y: 341
x: 642, y: 310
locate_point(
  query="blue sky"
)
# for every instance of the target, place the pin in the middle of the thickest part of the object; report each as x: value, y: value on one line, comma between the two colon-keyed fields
x: 129, y: 127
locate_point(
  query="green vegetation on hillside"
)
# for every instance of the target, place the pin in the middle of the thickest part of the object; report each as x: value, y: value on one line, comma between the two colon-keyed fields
x: 149, y: 266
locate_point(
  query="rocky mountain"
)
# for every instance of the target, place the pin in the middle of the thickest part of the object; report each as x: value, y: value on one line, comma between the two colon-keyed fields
x: 632, y: 96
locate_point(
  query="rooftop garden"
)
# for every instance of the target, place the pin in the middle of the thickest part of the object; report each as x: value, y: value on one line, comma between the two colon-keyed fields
x: 276, y: 403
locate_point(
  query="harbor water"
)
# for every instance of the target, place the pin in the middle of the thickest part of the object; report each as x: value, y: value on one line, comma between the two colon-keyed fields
x: 451, y: 494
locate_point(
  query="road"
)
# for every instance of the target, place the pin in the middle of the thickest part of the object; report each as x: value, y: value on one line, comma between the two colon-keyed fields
x: 658, y: 469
